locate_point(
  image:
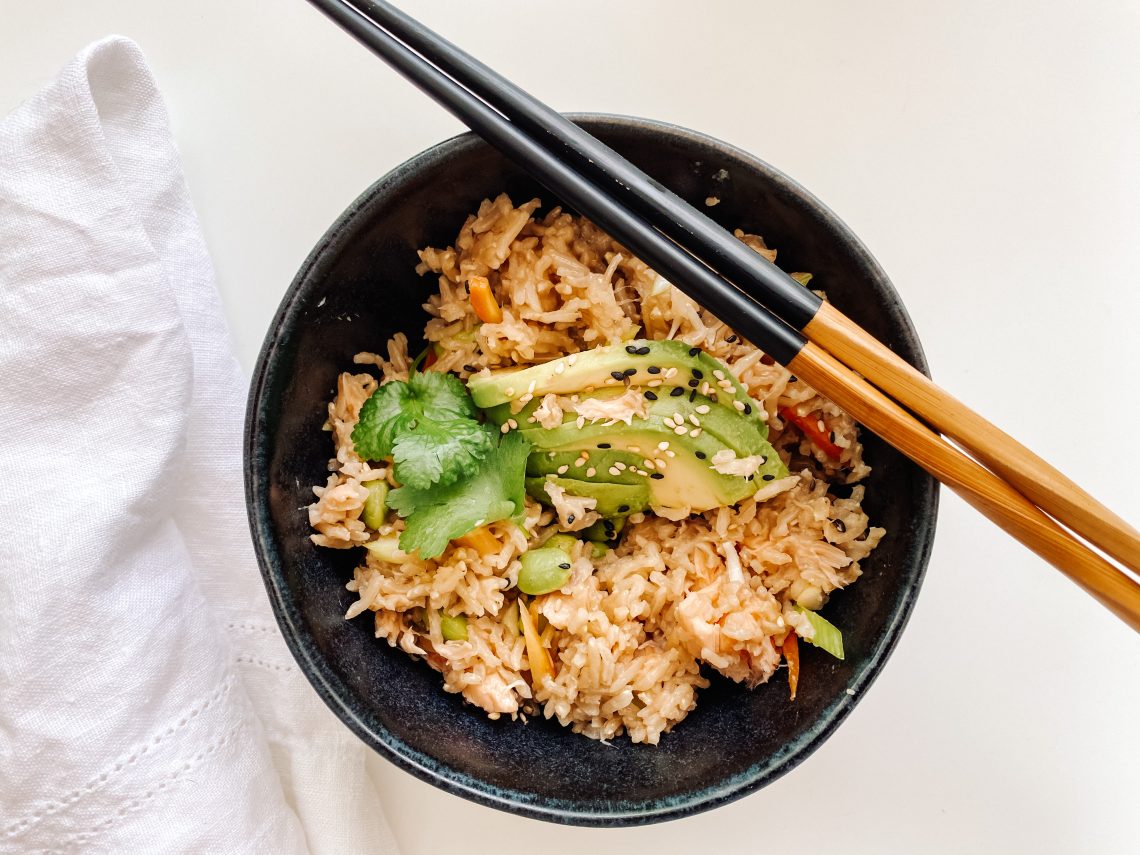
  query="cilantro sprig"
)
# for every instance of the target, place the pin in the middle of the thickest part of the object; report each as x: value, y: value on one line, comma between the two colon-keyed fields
x: 427, y: 425
x: 437, y: 514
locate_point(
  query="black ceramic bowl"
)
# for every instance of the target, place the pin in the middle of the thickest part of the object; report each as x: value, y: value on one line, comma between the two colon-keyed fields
x: 358, y: 288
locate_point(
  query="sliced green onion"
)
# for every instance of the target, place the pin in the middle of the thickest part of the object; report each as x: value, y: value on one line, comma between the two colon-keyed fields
x: 453, y: 627
x: 827, y: 635
x: 376, y: 505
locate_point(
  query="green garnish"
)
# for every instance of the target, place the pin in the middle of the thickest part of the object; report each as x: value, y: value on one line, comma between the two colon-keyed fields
x: 375, y: 506
x: 494, y: 490
x: 453, y: 627
x: 427, y: 425
x: 827, y: 635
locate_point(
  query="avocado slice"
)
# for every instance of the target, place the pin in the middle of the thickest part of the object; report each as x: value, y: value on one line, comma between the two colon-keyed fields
x: 613, y: 499
x: 639, y: 363
x: 681, y: 481
x: 719, y: 426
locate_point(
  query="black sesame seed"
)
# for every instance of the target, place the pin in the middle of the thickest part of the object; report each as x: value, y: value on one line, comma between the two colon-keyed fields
x: 692, y: 396
x: 700, y: 375
x: 622, y: 509
x: 701, y: 455
x: 747, y: 409
x: 792, y: 379
x: 618, y: 375
x: 629, y: 348
x: 607, y: 525
x: 629, y: 372
x: 839, y: 526
x: 750, y: 477
x: 831, y: 436
x: 470, y: 369
x: 693, y: 384
x: 604, y: 445
x: 651, y: 396
x: 712, y: 397
x: 768, y: 477
x: 677, y: 392
x: 656, y: 476
x: 653, y: 369
x: 694, y: 351
x: 643, y: 350
x: 565, y: 565
x: 731, y: 338
x: 570, y: 520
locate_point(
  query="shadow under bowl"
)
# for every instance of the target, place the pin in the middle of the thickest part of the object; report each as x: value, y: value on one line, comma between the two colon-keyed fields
x: 357, y: 288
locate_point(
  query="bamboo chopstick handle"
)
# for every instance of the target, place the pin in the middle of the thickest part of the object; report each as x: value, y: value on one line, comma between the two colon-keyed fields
x: 1035, y: 478
x: 993, y: 497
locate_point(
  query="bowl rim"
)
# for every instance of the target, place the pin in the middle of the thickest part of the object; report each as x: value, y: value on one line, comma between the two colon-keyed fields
x: 452, y: 780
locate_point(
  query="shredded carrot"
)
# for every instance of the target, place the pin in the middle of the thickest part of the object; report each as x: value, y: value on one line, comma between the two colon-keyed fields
x: 791, y: 649
x: 807, y: 424
x: 481, y: 540
x: 483, y: 301
x: 541, y: 665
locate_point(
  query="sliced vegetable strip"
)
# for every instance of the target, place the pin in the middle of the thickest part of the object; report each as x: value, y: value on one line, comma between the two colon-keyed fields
x: 483, y: 301
x: 810, y: 427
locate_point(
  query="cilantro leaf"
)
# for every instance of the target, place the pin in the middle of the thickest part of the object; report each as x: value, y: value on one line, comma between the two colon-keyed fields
x: 427, y: 425
x: 431, y: 451
x: 440, y: 513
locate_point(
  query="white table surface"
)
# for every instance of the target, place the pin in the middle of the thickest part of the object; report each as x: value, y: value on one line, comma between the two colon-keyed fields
x: 989, y: 156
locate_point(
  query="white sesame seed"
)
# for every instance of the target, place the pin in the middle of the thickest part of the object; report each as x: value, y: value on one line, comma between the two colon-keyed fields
x: 654, y: 383
x: 563, y: 469
x: 680, y: 431
x: 504, y: 427
x: 581, y: 422
x: 661, y: 464
x: 671, y: 453
x: 819, y: 424
x: 661, y: 446
x: 670, y: 423
x: 670, y: 373
x: 678, y: 418
x: 619, y: 466
x: 560, y: 367
x: 551, y: 454
x: 718, y: 374
x: 509, y: 391
x: 531, y: 420
x: 580, y: 462
x: 635, y: 449
x: 512, y: 423
x: 703, y: 409
x: 695, y: 432
x: 526, y: 399
x: 696, y: 422
x: 614, y: 470
x: 585, y: 455
x: 571, y: 359
x: 648, y: 464
x: 739, y: 405
x: 591, y: 472
x: 530, y: 388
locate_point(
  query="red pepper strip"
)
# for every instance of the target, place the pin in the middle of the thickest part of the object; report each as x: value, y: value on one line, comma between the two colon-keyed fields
x: 431, y: 359
x: 791, y: 650
x: 811, y: 430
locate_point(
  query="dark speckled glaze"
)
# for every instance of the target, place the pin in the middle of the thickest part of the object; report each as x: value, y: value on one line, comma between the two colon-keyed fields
x: 358, y: 288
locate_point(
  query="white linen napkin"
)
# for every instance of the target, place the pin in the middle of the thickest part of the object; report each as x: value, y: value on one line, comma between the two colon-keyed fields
x: 147, y: 700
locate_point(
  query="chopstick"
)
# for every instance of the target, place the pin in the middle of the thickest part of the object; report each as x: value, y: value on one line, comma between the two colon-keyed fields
x: 797, y: 306
x: 993, y: 497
